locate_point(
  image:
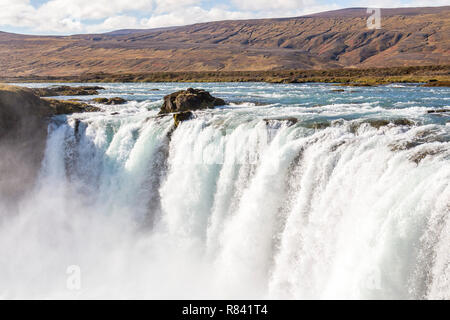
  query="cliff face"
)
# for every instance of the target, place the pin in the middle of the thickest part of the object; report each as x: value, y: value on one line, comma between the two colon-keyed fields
x: 408, y: 36
x: 23, y: 134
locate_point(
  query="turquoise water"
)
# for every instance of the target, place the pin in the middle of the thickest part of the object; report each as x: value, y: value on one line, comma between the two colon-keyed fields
x: 313, y: 101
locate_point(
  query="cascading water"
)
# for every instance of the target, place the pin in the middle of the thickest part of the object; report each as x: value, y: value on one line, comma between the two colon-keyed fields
x: 242, y: 201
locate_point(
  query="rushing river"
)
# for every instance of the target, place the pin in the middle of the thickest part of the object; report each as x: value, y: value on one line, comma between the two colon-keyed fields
x: 289, y: 191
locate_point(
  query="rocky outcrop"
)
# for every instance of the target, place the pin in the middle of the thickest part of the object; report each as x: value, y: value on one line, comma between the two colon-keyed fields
x: 438, y: 111
x: 189, y: 100
x: 69, y: 106
x: 182, y: 116
x: 379, y: 123
x: 23, y: 135
x: 422, y: 154
x: 111, y: 101
x: 100, y: 100
x: 317, y: 125
x: 67, y: 91
x: 288, y: 120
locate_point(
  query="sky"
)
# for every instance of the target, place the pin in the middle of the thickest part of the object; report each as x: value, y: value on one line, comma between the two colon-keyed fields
x: 63, y: 17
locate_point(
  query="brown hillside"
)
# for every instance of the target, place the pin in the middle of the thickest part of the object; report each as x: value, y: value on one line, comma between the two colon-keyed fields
x: 409, y: 36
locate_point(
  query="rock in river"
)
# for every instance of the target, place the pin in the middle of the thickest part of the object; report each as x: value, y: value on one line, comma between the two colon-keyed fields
x: 67, y: 91
x: 111, y: 101
x: 189, y: 100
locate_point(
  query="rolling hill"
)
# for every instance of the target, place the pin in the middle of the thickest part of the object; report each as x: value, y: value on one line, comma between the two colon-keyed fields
x: 335, y: 39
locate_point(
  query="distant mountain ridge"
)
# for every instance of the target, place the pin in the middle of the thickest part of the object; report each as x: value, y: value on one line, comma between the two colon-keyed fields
x: 386, y: 12
x: 334, y: 39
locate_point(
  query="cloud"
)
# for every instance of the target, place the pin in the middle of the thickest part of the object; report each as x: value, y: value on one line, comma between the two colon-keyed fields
x: 190, y: 15
x: 92, y: 9
x: 77, y: 16
x: 114, y: 23
x: 268, y: 5
x: 165, y: 6
x: 16, y: 12
x: 80, y: 16
x: 401, y: 3
x: 65, y: 16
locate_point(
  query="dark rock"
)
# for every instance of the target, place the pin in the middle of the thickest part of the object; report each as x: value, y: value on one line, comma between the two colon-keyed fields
x: 275, y: 80
x: 92, y: 88
x: 404, y: 145
x: 256, y: 103
x: 111, y: 101
x: 289, y: 80
x: 23, y: 135
x: 338, y: 90
x: 116, y: 101
x: 289, y: 120
x: 403, y: 122
x: 378, y: 123
x: 438, y: 111
x: 318, y: 125
x: 419, y: 156
x: 381, y: 123
x: 69, y: 107
x: 77, y: 126
x: 67, y: 91
x: 100, y: 100
x: 182, y: 116
x: 188, y: 100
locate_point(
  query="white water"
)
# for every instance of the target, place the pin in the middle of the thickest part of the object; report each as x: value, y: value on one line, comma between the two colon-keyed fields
x: 230, y: 207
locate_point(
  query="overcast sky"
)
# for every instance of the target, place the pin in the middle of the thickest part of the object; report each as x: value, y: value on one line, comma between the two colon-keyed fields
x: 91, y: 16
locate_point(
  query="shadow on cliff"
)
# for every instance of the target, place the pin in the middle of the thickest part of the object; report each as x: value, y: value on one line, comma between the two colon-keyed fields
x: 23, y: 133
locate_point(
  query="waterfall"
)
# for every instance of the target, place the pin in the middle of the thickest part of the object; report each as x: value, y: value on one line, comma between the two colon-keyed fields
x: 229, y: 206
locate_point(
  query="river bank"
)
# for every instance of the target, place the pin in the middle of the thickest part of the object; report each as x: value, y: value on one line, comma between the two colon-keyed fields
x: 428, y: 75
